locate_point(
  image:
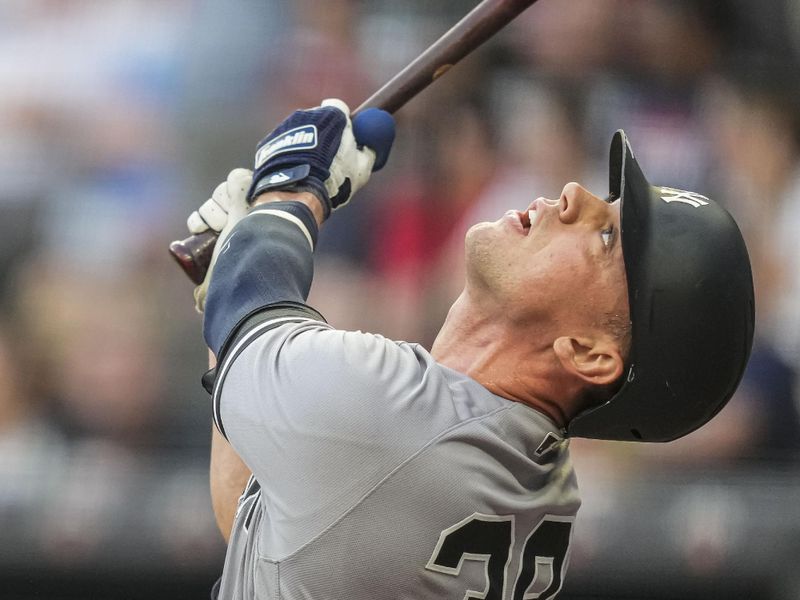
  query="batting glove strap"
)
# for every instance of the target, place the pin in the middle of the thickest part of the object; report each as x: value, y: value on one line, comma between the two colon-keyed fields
x: 298, y: 181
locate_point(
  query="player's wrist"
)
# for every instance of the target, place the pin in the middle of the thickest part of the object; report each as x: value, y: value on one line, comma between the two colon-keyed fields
x: 301, y: 178
x: 296, y: 194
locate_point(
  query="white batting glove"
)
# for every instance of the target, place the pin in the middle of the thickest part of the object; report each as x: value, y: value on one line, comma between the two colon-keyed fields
x: 350, y: 162
x: 226, y: 207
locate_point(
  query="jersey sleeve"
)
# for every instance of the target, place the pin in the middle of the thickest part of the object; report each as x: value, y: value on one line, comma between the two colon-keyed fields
x: 322, y: 416
x: 298, y: 380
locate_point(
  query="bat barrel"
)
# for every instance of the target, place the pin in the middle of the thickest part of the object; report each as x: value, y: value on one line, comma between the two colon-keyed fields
x: 486, y: 19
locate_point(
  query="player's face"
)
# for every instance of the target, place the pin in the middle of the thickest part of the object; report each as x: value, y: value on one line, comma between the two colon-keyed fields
x: 556, y: 260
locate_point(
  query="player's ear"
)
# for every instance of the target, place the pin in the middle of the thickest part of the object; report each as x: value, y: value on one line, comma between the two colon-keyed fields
x: 594, y: 361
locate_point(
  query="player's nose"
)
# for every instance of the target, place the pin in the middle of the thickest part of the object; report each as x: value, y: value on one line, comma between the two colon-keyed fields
x: 577, y: 203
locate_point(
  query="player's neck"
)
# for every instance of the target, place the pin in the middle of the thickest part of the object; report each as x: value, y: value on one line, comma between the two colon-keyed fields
x: 478, y: 342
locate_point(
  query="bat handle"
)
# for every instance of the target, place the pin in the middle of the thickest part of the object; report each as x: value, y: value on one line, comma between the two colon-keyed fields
x: 194, y: 254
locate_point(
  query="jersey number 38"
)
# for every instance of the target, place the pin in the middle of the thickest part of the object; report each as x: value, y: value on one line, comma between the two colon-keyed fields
x: 490, y: 539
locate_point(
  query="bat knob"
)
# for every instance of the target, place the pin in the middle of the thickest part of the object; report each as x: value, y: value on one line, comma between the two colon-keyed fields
x: 375, y: 129
x: 194, y: 254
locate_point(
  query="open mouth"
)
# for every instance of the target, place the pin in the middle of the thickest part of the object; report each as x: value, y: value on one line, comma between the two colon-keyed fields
x: 528, y: 218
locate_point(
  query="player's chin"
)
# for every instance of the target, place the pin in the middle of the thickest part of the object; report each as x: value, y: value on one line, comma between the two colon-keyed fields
x: 475, y: 232
x: 485, y: 246
x: 503, y: 233
x: 484, y: 229
x: 481, y: 237
x: 483, y: 225
x: 475, y: 235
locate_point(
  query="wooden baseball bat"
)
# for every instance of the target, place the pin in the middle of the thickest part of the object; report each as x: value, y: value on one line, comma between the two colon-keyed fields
x: 490, y: 16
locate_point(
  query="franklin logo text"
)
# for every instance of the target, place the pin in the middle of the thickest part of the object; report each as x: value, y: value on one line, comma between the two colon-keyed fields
x: 299, y: 138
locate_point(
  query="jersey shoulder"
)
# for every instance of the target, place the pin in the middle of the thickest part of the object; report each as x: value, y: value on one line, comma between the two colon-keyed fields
x: 321, y: 373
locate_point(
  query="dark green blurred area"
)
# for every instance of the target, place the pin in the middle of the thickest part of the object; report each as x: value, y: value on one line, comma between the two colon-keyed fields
x: 118, y: 118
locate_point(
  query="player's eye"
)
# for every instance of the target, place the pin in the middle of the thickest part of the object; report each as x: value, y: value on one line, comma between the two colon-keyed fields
x: 607, y: 235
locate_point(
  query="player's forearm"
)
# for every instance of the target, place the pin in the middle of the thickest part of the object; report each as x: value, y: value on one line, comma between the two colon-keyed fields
x: 227, y: 476
x: 266, y: 260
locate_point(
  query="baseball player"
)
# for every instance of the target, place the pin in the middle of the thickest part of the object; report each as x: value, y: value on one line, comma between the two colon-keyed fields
x: 377, y: 469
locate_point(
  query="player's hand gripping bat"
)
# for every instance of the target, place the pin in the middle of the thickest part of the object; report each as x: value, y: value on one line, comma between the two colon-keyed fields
x: 194, y: 253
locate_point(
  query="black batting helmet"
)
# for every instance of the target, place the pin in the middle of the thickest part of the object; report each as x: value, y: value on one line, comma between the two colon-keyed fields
x: 690, y: 292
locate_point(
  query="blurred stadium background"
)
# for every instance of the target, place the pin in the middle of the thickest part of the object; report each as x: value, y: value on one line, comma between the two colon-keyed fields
x: 118, y: 117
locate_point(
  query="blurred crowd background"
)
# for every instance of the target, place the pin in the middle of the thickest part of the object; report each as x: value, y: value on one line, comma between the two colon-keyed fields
x: 117, y: 118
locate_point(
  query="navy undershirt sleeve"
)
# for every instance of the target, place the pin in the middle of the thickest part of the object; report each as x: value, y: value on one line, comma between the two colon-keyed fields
x: 267, y: 259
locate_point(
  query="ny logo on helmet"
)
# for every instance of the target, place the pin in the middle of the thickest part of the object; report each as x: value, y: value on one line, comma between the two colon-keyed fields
x: 691, y: 198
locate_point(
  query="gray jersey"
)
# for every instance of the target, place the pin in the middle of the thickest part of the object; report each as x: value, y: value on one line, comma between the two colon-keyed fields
x: 380, y: 474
